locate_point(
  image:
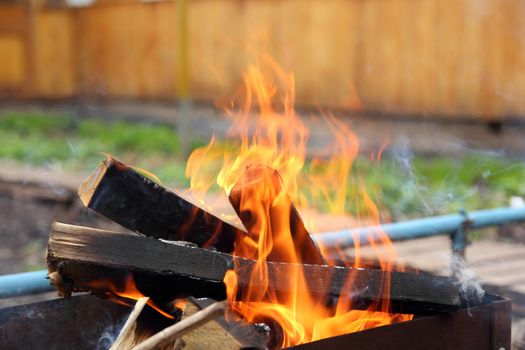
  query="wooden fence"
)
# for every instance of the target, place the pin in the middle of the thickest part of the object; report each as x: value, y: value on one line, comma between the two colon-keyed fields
x: 420, y: 57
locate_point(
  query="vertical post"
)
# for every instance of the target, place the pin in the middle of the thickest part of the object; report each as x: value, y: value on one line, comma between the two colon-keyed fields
x: 459, y: 242
x: 183, y: 79
x: 29, y: 85
x: 459, y: 238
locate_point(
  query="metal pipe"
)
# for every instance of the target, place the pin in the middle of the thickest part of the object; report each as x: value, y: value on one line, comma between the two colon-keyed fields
x: 36, y: 282
x: 24, y: 284
x: 445, y: 224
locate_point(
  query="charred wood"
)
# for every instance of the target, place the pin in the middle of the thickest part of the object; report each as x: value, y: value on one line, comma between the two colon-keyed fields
x: 82, y: 256
x: 140, y: 204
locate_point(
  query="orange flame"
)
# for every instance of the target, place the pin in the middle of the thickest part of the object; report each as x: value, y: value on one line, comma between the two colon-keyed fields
x: 276, y: 138
x: 127, y: 290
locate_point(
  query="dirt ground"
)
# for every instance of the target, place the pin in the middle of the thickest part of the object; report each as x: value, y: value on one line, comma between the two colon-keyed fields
x: 26, y: 214
x: 24, y: 232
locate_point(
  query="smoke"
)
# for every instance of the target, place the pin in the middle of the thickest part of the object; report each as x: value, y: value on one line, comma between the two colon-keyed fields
x: 106, y: 339
x: 470, y: 286
x: 418, y: 195
x: 413, y: 191
x: 430, y: 184
x: 110, y: 332
x: 34, y: 314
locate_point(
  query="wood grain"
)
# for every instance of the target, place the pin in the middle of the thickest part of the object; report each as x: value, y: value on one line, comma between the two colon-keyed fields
x: 183, y: 327
x: 163, y: 270
x: 133, y: 200
x: 126, y: 337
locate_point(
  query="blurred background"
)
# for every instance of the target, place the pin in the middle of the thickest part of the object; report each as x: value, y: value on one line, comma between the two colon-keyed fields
x: 435, y: 87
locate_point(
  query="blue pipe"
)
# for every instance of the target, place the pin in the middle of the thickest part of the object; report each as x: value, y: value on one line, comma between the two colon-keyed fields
x: 36, y: 282
x: 445, y: 224
x: 24, y: 283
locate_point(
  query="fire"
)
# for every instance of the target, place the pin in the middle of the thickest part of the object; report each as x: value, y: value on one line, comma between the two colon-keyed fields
x: 119, y: 292
x: 272, y: 136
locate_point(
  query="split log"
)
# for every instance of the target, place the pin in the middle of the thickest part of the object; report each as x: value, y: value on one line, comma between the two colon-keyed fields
x: 165, y: 271
x: 211, y: 336
x: 260, y: 201
x: 183, y: 327
x: 136, y: 202
x: 126, y: 337
x: 217, y: 334
x: 246, y: 335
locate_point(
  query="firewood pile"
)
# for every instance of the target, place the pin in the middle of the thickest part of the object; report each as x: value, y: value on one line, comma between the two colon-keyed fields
x: 177, y: 254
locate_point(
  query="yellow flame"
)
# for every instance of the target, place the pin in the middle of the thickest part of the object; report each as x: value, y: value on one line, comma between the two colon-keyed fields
x: 273, y: 136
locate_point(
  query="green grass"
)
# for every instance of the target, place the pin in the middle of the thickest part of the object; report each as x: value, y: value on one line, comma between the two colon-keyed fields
x: 407, y: 187
x: 436, y: 185
x: 79, y: 144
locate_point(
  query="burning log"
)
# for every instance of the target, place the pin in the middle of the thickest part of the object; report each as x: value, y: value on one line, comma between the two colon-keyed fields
x: 134, y: 201
x: 261, y: 188
x: 83, y: 256
x: 129, y: 198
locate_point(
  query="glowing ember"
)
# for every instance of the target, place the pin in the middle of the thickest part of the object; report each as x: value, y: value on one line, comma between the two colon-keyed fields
x: 275, y: 138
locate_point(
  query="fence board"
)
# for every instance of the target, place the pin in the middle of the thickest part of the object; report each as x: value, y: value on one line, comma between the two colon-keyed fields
x: 53, y: 54
x: 425, y: 57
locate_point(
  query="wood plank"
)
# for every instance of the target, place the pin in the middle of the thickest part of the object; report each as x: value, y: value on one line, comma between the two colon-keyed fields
x: 433, y: 254
x: 210, y: 336
x: 394, y: 57
x: 501, y: 266
x: 170, y: 334
x: 163, y: 271
x: 520, y: 288
x: 12, y: 18
x: 440, y: 240
x: 435, y: 263
x: 12, y: 70
x: 506, y: 280
x: 126, y: 337
x: 422, y: 244
x: 247, y: 335
x: 53, y: 57
x: 483, y: 251
x: 418, y: 253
